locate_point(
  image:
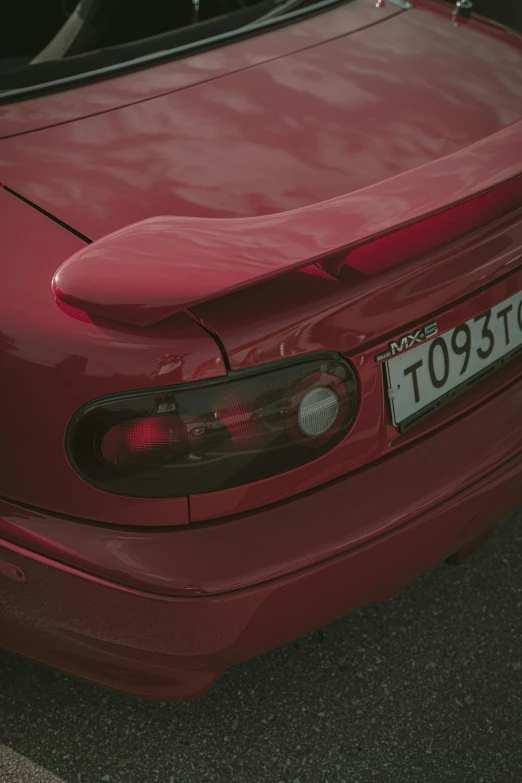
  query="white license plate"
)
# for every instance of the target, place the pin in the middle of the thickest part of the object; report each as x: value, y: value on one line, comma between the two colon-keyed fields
x: 420, y: 377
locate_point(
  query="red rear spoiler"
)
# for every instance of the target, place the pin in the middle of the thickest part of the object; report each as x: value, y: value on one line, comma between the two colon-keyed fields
x: 153, y: 269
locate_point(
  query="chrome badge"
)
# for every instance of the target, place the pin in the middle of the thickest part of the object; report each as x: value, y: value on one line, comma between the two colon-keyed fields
x: 408, y: 341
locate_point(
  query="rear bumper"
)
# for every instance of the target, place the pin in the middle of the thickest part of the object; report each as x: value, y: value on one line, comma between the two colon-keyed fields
x: 162, y: 613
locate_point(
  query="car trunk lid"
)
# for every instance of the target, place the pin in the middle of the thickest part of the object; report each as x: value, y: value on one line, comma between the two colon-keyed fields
x: 304, y: 128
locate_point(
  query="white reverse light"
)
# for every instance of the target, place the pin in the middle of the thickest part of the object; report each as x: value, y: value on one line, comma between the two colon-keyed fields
x: 318, y: 411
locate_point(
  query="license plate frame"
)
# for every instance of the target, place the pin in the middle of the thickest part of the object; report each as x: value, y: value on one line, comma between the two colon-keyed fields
x: 451, y: 390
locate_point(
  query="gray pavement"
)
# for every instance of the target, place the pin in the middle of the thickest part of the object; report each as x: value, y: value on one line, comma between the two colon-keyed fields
x: 424, y: 688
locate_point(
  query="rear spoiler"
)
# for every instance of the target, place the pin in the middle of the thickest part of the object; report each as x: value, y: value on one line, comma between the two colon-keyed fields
x: 151, y: 270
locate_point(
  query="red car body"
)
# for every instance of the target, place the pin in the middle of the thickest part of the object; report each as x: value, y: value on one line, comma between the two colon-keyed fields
x: 320, y: 190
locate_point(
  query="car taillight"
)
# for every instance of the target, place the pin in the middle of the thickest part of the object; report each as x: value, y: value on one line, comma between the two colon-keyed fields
x: 188, y: 440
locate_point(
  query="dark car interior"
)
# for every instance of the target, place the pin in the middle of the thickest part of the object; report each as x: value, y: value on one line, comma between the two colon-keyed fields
x: 33, y: 32
x: 52, y: 44
x: 41, y: 42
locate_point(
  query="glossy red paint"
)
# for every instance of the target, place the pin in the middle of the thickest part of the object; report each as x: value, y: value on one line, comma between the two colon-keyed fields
x: 281, y: 539
x: 357, y: 319
x: 142, y: 85
x: 394, y: 146
x: 57, y: 362
x: 154, y: 269
x: 304, y: 128
x: 143, y: 641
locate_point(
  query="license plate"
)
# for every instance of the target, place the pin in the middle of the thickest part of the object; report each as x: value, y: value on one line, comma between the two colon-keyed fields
x: 419, y: 379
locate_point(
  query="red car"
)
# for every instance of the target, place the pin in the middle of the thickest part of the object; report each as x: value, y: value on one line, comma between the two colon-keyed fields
x: 260, y: 321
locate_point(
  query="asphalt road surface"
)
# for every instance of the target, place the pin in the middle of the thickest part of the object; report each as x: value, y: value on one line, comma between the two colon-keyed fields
x: 425, y: 687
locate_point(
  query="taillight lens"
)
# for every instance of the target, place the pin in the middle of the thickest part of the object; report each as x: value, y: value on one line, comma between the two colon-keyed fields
x: 188, y: 440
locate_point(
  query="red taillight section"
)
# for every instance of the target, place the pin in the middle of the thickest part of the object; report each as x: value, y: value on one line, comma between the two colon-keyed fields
x: 144, y: 440
x: 432, y: 232
x: 191, y: 440
x: 244, y: 424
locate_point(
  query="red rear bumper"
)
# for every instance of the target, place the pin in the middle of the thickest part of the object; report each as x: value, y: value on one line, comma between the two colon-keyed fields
x: 161, y: 613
